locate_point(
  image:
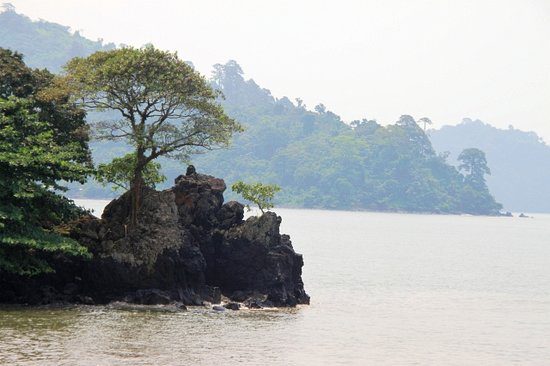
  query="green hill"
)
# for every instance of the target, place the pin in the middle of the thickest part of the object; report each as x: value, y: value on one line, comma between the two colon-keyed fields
x: 44, y: 44
x: 322, y: 162
x: 316, y: 158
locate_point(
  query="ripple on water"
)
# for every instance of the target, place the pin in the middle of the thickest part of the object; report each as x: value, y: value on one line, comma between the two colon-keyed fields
x: 386, y: 289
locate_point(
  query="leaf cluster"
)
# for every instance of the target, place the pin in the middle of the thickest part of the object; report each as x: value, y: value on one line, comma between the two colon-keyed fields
x: 119, y: 172
x: 43, y: 140
x: 166, y: 108
x: 257, y: 193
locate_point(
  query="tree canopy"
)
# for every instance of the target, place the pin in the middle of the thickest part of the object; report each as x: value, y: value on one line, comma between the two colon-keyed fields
x: 119, y: 172
x: 165, y: 107
x: 474, y: 163
x: 43, y: 140
x: 257, y: 193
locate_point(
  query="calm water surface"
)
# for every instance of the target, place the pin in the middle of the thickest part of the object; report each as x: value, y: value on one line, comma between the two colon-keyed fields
x: 386, y: 289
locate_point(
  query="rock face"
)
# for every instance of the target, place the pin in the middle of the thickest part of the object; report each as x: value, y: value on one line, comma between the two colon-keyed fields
x: 188, y: 246
x: 253, y: 257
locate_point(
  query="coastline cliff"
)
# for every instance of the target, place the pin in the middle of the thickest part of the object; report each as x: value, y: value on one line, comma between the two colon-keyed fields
x: 188, y: 247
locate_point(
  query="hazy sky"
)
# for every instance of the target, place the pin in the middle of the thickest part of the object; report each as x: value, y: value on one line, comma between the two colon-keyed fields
x: 377, y: 59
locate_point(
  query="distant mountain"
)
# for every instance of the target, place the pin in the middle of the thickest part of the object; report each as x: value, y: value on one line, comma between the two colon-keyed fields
x: 519, y: 162
x: 44, y: 44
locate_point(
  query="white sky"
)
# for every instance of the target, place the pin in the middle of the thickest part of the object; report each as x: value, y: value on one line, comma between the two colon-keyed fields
x: 444, y: 59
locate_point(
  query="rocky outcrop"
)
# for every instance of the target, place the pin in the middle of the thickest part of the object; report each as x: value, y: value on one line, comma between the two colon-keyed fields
x: 254, y: 258
x: 187, y: 246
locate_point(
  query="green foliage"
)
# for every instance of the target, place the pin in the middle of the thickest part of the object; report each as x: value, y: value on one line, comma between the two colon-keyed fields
x: 474, y: 163
x: 258, y: 193
x: 119, y: 172
x: 321, y: 162
x: 166, y: 108
x: 43, y: 140
x: 475, y: 196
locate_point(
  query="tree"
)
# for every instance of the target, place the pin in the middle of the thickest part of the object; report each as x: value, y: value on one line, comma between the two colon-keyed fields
x: 166, y: 108
x: 416, y: 135
x: 119, y: 173
x: 365, y: 127
x: 43, y: 140
x: 228, y: 78
x: 474, y: 195
x: 258, y: 193
x: 300, y: 103
x: 425, y: 121
x: 320, y: 108
x: 474, y: 164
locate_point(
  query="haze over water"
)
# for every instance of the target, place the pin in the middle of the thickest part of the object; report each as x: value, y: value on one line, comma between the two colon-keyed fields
x: 389, y: 289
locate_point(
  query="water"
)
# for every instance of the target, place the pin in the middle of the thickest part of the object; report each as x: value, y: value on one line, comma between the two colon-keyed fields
x: 386, y: 289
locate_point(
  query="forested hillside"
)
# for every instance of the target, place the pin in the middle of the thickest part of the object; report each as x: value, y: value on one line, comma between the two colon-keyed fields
x: 519, y: 161
x: 44, y: 44
x: 320, y: 161
x: 317, y: 159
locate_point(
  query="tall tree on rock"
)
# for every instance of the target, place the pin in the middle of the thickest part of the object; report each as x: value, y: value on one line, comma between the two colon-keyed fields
x: 166, y: 107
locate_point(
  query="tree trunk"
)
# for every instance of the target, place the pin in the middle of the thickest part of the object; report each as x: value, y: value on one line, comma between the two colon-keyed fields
x: 136, y: 188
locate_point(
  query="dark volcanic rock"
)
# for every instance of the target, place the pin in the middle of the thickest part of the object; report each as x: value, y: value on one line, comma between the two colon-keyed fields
x: 187, y: 246
x: 198, y: 198
x: 255, y: 257
x: 232, y: 306
x: 150, y: 297
x: 230, y: 214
